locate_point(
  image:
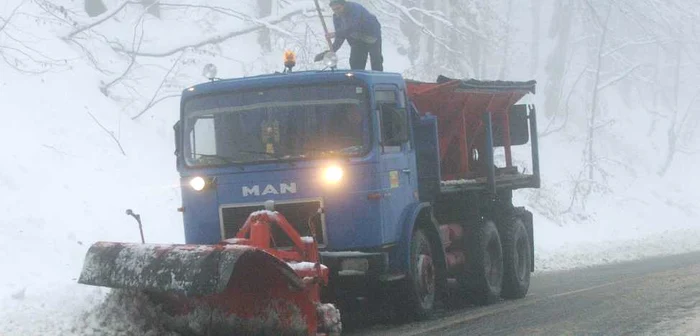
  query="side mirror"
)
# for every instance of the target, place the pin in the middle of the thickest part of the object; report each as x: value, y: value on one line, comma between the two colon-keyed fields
x: 178, y: 137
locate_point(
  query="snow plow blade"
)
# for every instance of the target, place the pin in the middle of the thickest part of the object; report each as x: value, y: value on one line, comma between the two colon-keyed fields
x: 183, y: 269
x: 208, y: 289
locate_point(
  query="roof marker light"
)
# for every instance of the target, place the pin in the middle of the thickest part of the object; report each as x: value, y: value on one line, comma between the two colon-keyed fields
x: 209, y: 71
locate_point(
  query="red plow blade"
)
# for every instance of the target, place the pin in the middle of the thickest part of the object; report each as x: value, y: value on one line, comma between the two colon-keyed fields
x: 209, y: 289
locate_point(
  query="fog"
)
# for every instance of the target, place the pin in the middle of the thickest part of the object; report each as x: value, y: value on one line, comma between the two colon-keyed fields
x: 89, y: 91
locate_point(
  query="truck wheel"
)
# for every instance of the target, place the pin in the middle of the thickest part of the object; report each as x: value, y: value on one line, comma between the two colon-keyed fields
x: 416, y: 300
x: 516, y: 261
x: 485, y: 265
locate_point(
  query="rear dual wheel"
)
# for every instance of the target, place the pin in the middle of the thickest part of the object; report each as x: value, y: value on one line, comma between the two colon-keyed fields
x: 485, y: 267
x: 499, y: 263
x: 517, y: 259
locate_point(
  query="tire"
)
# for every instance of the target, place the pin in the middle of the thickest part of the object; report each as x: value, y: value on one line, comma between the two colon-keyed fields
x: 417, y: 297
x: 484, y: 265
x: 516, y: 259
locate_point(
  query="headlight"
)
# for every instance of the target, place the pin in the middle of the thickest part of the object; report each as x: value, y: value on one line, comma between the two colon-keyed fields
x: 198, y: 183
x: 332, y: 174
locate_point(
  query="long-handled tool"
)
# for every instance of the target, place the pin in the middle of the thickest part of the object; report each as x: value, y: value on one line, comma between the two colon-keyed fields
x: 320, y: 56
x: 323, y: 23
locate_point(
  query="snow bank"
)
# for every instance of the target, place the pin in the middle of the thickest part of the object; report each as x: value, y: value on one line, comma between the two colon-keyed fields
x: 66, y: 183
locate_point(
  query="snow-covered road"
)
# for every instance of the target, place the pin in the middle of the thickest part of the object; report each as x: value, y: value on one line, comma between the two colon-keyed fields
x: 657, y: 296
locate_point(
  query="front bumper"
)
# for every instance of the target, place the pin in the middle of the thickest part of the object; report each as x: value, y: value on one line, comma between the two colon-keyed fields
x: 354, y: 274
x: 355, y: 264
x: 344, y: 264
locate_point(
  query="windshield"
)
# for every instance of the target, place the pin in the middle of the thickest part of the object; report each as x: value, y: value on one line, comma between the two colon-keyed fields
x: 276, y: 124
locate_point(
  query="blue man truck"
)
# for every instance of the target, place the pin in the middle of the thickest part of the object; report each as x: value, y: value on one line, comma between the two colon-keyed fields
x: 303, y: 192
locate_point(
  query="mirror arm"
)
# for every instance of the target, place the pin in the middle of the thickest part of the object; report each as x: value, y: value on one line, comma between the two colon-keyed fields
x: 177, y: 128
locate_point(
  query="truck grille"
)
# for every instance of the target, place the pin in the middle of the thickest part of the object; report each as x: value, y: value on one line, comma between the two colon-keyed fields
x: 297, y: 213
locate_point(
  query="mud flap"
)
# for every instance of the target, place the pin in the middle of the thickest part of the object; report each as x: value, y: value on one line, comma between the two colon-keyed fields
x: 208, y: 289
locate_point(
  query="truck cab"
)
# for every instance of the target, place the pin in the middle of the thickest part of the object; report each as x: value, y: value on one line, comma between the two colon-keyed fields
x: 333, y: 150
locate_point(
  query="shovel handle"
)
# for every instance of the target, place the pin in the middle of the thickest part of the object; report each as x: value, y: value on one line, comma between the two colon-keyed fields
x: 323, y: 23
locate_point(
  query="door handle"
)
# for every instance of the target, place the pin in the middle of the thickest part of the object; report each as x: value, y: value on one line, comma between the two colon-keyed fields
x: 406, y: 171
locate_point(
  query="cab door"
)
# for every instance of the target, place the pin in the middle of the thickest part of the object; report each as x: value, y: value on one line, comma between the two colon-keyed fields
x: 397, y: 162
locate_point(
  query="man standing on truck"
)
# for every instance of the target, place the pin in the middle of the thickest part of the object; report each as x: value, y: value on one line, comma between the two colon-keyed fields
x: 362, y: 30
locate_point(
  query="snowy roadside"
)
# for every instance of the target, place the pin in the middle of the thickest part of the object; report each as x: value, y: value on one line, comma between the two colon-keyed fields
x: 70, y: 309
x: 588, y: 254
x: 688, y: 324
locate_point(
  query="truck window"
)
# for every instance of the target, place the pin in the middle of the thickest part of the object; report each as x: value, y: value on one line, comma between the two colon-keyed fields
x: 393, y: 127
x: 279, y: 123
x: 202, y: 137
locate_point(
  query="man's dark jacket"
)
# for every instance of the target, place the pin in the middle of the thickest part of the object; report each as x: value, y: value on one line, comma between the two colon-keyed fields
x: 356, y: 24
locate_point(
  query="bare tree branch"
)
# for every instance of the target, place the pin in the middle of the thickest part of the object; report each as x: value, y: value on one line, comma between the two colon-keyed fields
x: 594, y: 99
x: 111, y: 134
x: 419, y: 24
x: 5, y: 22
x: 24, y: 44
x: 645, y: 41
x: 101, y: 18
x: 153, y: 103
x: 618, y: 78
x: 217, y: 9
x: 259, y: 24
x: 233, y: 13
x: 162, y: 82
x: 547, y: 130
x: 436, y: 15
x: 53, y: 10
x: 90, y: 56
x: 135, y: 46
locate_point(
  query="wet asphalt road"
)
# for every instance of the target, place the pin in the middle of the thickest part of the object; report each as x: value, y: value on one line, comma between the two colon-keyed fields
x: 649, y: 297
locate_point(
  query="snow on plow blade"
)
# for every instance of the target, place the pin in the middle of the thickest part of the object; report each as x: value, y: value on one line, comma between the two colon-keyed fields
x: 208, y: 289
x: 184, y: 269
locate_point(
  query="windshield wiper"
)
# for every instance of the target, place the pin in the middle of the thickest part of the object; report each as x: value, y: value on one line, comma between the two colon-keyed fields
x: 272, y: 155
x: 225, y: 159
x: 326, y: 153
